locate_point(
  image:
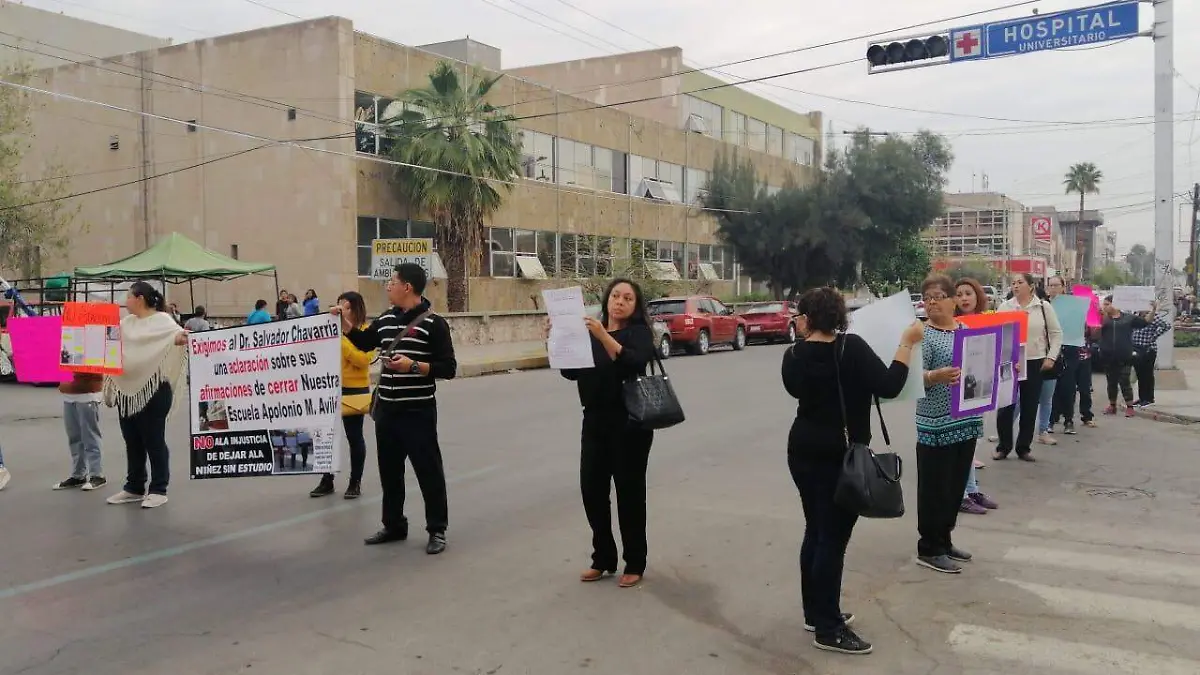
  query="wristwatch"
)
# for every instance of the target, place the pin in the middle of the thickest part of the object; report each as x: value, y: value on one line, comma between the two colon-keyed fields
x: 415, y: 368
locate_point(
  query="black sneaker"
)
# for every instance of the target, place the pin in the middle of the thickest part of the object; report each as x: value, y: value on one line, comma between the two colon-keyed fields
x: 847, y: 619
x: 70, y: 483
x: 844, y: 641
x: 385, y: 536
x: 437, y: 543
x: 95, y: 483
x: 958, y: 555
x: 325, y: 487
x: 354, y: 490
x: 939, y: 563
x: 1069, y: 428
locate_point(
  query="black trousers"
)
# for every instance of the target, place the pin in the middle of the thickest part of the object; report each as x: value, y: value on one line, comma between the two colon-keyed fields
x: 1143, y: 363
x: 1076, y: 378
x: 353, y: 426
x: 145, y: 434
x: 827, y: 530
x: 1117, y: 374
x: 410, y: 433
x: 613, y: 453
x: 1029, y: 393
x: 941, y: 480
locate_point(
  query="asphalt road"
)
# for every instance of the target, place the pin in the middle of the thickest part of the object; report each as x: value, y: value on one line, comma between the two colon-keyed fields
x: 1090, y: 565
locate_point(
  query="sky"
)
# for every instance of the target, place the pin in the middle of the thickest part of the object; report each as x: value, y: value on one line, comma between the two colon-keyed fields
x: 1100, y: 86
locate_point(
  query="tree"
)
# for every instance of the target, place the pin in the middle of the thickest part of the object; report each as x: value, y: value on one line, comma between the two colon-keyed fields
x: 897, y: 185
x: 1110, y: 275
x: 982, y: 271
x: 34, y: 220
x: 1083, y: 178
x: 906, y: 268
x: 468, y: 145
x: 1141, y: 265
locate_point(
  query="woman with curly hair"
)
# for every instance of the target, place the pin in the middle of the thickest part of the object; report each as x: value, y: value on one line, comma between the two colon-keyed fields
x: 823, y: 369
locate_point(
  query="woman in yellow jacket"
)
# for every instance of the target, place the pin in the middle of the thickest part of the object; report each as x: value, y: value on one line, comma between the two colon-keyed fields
x: 356, y: 399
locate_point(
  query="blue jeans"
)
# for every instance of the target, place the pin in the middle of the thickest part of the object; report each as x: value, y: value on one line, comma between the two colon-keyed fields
x: 1045, y: 406
x: 972, y: 482
x: 82, y: 421
x: 1, y: 458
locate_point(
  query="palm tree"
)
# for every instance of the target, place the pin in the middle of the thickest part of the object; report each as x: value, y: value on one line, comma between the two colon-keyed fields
x: 458, y: 150
x: 1083, y: 178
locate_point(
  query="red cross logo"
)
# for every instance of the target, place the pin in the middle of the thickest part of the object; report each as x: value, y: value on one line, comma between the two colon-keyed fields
x: 967, y: 43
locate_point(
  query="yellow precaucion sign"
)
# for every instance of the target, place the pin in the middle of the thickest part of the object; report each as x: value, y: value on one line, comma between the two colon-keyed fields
x: 386, y: 254
x: 401, y: 246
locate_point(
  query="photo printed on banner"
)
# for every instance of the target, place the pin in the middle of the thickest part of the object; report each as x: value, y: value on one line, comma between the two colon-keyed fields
x: 976, y: 355
x: 266, y: 399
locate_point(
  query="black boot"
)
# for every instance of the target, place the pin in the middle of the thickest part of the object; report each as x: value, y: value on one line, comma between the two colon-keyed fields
x: 325, y: 487
x: 437, y: 543
x: 354, y: 491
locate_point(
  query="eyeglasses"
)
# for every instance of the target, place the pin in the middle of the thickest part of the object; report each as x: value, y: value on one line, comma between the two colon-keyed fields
x: 935, y: 298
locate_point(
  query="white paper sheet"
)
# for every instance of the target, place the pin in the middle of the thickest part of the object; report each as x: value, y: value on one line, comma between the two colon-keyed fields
x: 881, y: 324
x: 569, y: 345
x: 1133, y: 298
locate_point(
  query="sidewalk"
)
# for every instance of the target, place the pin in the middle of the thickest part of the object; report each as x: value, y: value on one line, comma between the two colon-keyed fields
x: 1176, y: 393
x: 476, y: 360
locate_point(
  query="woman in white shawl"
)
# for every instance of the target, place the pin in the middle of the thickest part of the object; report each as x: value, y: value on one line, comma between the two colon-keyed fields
x: 155, y: 359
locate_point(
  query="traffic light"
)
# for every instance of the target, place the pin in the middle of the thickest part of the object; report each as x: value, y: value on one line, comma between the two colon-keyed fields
x: 904, y: 53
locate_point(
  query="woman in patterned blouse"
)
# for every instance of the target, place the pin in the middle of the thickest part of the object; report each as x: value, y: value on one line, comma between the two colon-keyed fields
x: 945, y: 445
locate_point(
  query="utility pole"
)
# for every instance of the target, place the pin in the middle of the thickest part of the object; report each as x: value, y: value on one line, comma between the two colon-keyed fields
x: 1192, y: 229
x: 1164, y: 173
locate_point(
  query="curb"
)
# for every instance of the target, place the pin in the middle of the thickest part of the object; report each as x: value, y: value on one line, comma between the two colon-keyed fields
x: 481, y: 368
x: 1156, y: 416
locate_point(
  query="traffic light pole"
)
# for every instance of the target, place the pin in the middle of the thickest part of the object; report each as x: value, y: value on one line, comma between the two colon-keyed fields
x: 1164, y: 174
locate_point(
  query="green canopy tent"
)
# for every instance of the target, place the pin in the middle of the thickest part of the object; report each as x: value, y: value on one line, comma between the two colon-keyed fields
x: 176, y: 259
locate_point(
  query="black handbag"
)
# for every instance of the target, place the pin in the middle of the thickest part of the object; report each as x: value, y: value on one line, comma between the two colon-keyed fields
x: 650, y: 399
x: 869, y: 484
x: 1060, y: 364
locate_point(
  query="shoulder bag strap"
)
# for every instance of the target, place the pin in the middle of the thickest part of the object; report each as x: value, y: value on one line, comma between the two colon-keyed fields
x: 657, y: 359
x: 408, y: 330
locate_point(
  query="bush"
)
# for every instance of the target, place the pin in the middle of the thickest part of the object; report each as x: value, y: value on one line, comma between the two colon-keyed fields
x: 1187, y: 338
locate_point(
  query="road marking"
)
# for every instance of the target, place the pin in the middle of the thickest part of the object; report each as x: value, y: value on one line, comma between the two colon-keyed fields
x: 1111, y: 534
x: 174, y: 551
x: 1083, y: 603
x: 1182, y: 574
x: 1043, y: 653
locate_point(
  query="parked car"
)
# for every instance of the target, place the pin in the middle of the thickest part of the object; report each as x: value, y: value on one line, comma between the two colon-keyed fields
x: 768, y: 321
x: 700, y: 321
x: 662, y: 334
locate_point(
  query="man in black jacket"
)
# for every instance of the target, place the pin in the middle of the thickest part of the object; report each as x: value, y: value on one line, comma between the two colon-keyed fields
x: 416, y: 349
x: 1116, y: 347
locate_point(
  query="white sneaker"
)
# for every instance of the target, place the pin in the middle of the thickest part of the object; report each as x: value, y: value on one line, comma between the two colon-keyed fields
x: 5, y: 476
x: 124, y: 497
x: 153, y: 501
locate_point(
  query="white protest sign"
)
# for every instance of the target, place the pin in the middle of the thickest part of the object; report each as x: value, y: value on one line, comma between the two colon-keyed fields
x: 386, y: 254
x: 569, y: 346
x: 881, y: 324
x: 1133, y: 298
x: 266, y: 399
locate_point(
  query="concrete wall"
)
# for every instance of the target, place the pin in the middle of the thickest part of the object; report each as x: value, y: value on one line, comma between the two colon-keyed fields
x: 291, y: 207
x: 72, y: 38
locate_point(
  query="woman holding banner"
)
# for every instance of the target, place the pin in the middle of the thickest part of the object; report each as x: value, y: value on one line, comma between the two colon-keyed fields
x: 155, y: 361
x: 356, y: 398
x: 1042, y: 347
x: 969, y: 298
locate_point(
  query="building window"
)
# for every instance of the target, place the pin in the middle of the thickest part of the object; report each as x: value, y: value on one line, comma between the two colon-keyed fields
x: 756, y: 135
x: 798, y: 148
x: 500, y: 248
x: 712, y: 114
x: 537, y: 155
x: 736, y: 133
x: 640, y: 168
x: 673, y: 174
x: 366, y: 130
x: 775, y: 141
x: 602, y: 163
x: 547, y: 251
x: 694, y: 182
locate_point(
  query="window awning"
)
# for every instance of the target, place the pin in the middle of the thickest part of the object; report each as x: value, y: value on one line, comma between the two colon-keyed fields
x: 530, y: 267
x: 663, y: 271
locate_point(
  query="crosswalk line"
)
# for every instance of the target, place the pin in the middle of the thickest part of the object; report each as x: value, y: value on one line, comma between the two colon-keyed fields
x: 1035, y: 653
x: 1082, y: 603
x: 1110, y: 533
x: 1168, y: 573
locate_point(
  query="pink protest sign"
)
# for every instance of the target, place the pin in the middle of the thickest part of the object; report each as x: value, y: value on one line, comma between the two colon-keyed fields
x: 36, y: 341
x: 1093, y: 315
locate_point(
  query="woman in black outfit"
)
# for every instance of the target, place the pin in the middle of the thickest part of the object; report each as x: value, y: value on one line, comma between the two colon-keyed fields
x: 612, y: 450
x: 817, y: 445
